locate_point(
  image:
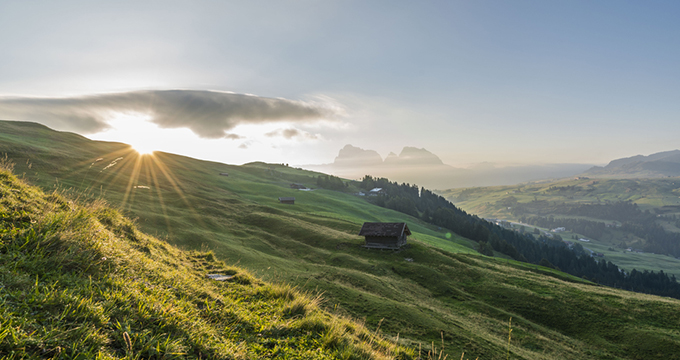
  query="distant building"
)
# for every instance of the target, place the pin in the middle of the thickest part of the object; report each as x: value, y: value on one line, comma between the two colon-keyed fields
x: 224, y: 174
x: 376, y: 191
x: 297, y: 186
x: 287, y: 200
x: 559, y: 229
x: 384, y: 235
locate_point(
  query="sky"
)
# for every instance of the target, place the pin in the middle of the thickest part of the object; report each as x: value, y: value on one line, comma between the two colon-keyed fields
x: 506, y: 82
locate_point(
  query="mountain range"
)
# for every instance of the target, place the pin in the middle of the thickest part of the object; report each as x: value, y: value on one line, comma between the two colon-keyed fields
x: 422, y: 167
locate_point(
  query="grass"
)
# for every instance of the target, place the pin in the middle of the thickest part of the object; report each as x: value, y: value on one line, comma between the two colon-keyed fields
x: 85, y: 283
x: 311, y: 247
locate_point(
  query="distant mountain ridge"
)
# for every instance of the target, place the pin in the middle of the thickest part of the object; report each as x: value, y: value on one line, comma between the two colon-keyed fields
x: 662, y: 164
x: 356, y: 157
x: 424, y: 168
x: 414, y: 156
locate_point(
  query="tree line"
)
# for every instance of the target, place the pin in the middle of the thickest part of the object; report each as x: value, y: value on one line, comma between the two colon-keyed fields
x: 435, y: 209
x: 331, y: 182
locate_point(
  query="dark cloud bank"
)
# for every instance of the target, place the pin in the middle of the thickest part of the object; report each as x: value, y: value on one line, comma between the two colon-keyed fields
x: 209, y: 114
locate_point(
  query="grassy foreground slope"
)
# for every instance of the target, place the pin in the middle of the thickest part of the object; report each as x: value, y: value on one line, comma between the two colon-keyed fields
x: 446, y: 290
x: 83, y: 283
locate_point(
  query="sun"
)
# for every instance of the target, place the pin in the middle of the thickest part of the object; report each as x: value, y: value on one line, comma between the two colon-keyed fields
x: 143, y: 149
x: 136, y: 130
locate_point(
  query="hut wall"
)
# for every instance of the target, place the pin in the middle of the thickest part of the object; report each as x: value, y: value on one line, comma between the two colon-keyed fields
x: 383, y: 242
x: 402, y: 240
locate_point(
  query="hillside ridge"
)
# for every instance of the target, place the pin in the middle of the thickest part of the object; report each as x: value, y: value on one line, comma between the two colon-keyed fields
x: 661, y: 164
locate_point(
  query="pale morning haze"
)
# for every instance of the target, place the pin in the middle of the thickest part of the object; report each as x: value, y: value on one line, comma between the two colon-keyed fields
x: 506, y: 82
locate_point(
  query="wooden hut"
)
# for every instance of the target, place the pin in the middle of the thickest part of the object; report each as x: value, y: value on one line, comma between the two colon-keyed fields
x: 287, y: 200
x: 385, y: 235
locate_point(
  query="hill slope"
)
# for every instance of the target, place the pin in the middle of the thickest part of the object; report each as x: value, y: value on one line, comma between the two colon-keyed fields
x: 83, y: 282
x: 436, y: 287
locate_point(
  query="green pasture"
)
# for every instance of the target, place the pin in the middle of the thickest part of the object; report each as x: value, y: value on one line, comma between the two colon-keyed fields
x: 436, y: 292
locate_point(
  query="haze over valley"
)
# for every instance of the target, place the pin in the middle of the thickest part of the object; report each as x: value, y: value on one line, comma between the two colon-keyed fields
x: 419, y: 166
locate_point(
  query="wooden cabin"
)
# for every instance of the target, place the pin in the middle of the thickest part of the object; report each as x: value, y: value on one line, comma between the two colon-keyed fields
x: 385, y: 235
x: 287, y: 200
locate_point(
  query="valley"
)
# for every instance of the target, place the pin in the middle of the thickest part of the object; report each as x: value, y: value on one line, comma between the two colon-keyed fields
x: 596, y: 208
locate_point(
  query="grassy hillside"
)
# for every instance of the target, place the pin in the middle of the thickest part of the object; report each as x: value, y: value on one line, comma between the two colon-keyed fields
x: 438, y: 287
x: 494, y: 201
x: 84, y: 283
x: 659, y: 196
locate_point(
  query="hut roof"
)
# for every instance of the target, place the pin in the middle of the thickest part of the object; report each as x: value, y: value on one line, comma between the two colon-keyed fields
x: 286, y: 199
x: 384, y: 229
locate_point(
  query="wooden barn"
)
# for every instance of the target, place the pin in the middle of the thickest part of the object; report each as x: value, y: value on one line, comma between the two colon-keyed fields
x: 287, y: 200
x: 385, y: 235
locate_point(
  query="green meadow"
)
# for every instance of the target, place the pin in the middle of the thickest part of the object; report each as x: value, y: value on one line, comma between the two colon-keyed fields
x: 436, y: 293
x: 660, y: 195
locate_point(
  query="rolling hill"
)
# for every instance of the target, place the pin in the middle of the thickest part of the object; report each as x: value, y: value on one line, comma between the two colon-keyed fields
x: 436, y: 290
x: 655, y: 203
x: 662, y: 164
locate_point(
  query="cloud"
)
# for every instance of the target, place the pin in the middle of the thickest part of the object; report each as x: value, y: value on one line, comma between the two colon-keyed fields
x: 209, y: 114
x: 291, y: 133
x: 245, y: 145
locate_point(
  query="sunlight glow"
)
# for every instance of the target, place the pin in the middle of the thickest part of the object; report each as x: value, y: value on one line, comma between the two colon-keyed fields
x: 140, y: 178
x: 143, y: 149
x: 134, y: 129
